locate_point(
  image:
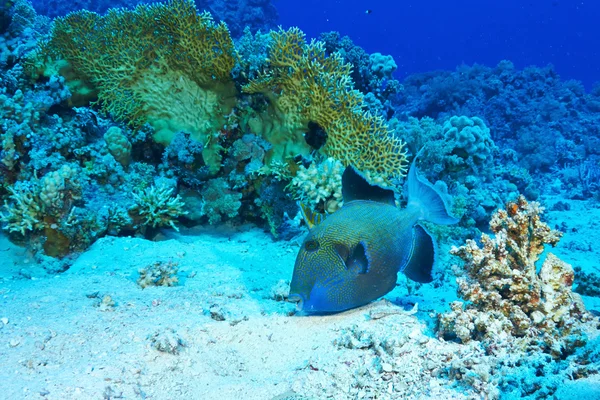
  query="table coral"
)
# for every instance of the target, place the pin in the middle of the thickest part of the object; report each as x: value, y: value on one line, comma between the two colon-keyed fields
x: 161, y: 64
x: 506, y: 297
x: 307, y: 87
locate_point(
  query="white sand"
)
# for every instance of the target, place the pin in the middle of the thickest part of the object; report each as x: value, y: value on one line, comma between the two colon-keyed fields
x: 57, y: 341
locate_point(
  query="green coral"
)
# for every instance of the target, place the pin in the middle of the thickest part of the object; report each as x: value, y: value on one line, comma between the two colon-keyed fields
x: 156, y: 206
x: 162, y: 64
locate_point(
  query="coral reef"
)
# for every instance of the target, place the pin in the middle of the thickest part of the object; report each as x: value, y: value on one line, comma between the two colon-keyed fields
x: 238, y: 14
x: 219, y: 200
x: 157, y: 206
x: 188, y: 84
x: 506, y: 297
x: 320, y: 185
x: 371, y: 73
x: 522, y: 108
x: 308, y: 91
x: 159, y: 274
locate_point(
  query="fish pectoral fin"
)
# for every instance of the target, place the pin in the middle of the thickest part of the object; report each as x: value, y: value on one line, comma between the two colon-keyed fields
x: 422, y: 256
x: 358, y: 261
x: 343, y: 251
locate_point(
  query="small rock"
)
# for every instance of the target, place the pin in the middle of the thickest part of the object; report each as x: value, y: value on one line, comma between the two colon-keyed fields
x: 25, y: 273
x: 14, y: 342
x: 4, y: 320
x: 386, y: 367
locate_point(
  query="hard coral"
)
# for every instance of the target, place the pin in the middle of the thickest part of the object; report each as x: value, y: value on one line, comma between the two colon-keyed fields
x: 157, y: 206
x: 506, y: 297
x: 319, y: 185
x: 303, y: 86
x: 48, y: 206
x: 159, y: 274
x: 161, y: 64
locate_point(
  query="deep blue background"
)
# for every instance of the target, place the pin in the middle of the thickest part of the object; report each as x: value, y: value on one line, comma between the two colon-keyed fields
x: 441, y: 34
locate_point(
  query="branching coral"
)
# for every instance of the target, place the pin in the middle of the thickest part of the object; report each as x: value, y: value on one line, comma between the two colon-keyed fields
x: 319, y: 185
x: 219, y: 200
x: 159, y: 274
x: 157, y: 206
x: 305, y: 86
x: 47, y: 205
x: 24, y: 213
x: 161, y: 64
x: 507, y: 298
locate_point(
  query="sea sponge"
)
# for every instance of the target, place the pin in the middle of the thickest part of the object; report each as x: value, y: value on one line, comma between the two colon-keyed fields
x: 311, y: 100
x: 162, y: 64
x: 506, y: 297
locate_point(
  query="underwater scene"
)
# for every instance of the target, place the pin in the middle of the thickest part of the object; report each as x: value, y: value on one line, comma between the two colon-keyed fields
x: 256, y: 199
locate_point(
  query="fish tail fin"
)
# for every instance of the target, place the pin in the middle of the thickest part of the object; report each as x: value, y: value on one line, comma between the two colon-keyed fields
x: 425, y: 198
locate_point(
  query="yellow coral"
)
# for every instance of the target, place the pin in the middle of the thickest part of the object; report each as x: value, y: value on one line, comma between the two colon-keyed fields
x: 305, y: 85
x: 161, y: 64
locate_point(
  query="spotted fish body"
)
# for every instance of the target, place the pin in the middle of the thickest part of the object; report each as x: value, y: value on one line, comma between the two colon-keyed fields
x: 353, y: 256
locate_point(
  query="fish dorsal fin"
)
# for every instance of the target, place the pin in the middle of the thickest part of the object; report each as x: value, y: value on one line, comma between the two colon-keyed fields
x: 422, y: 256
x: 356, y: 187
x: 311, y: 217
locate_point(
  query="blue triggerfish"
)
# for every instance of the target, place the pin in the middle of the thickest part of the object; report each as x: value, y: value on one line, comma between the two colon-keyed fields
x: 353, y: 256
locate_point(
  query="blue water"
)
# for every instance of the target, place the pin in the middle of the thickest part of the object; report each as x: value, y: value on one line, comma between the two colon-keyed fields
x: 428, y: 35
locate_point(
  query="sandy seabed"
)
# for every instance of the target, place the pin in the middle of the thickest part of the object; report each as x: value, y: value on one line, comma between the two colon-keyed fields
x: 224, y: 332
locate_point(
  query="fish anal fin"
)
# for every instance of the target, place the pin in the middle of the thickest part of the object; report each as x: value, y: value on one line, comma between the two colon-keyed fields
x: 422, y: 256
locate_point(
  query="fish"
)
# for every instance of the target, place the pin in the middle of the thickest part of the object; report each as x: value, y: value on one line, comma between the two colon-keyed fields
x: 353, y: 256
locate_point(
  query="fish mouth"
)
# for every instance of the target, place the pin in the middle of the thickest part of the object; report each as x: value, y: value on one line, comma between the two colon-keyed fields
x: 298, y: 299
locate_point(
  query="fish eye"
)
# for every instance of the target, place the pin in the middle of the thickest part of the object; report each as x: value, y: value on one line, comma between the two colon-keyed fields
x: 311, y: 245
